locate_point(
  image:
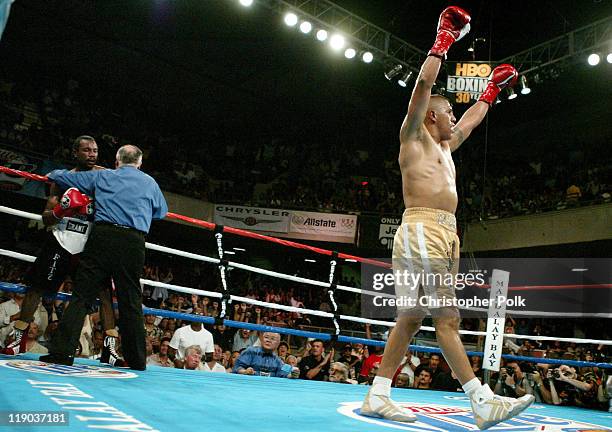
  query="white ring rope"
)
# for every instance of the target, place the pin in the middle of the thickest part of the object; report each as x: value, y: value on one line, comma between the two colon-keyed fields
x: 187, y: 290
x: 179, y: 252
x: 264, y: 272
x: 20, y: 213
x: 22, y: 257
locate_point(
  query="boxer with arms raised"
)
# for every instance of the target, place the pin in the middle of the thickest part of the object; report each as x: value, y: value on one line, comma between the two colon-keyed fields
x: 426, y: 243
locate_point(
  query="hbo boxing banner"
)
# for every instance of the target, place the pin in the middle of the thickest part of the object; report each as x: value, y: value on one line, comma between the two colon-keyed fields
x: 339, y: 228
x: 253, y: 218
x: 467, y: 80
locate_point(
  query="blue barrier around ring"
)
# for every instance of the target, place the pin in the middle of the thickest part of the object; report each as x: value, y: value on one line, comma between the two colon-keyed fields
x: 5, y: 286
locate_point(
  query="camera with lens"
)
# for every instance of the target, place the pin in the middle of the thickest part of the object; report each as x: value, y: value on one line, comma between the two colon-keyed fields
x: 556, y: 373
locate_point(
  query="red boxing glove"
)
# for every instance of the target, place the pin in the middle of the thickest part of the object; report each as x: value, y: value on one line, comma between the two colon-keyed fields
x: 71, y: 202
x: 88, y: 208
x: 502, y: 76
x: 454, y: 23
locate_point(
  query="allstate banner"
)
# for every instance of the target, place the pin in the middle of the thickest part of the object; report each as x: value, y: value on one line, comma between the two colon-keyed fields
x: 323, y: 226
x: 253, y: 218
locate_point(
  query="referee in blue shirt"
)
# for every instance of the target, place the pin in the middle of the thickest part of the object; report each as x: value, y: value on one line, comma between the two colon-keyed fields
x: 126, y: 201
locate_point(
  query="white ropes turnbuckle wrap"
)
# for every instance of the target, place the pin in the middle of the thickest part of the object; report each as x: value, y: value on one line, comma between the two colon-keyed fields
x: 333, y: 263
x: 223, y: 265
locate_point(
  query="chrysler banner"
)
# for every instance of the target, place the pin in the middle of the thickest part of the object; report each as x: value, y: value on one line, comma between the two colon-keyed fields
x: 253, y: 218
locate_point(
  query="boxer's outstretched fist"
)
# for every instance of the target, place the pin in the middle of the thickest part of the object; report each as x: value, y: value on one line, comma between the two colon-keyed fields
x: 503, y: 76
x: 454, y: 23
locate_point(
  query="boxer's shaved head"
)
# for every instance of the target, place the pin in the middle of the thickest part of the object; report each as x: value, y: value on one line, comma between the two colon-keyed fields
x: 438, y: 102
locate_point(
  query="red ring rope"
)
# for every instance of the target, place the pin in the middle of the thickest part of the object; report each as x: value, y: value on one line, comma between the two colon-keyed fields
x: 237, y: 231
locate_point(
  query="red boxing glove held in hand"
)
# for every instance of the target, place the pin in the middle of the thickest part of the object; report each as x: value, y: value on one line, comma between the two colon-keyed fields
x: 454, y: 23
x: 87, y: 209
x: 71, y: 202
x: 502, y: 76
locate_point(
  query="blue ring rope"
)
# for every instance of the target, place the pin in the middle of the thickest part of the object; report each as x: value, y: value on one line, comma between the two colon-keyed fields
x: 5, y: 286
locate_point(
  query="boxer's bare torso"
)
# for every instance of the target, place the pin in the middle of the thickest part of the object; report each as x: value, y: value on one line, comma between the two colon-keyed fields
x: 428, y: 173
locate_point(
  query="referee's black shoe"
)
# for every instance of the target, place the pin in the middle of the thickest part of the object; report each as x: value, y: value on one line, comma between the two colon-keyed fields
x: 109, y: 353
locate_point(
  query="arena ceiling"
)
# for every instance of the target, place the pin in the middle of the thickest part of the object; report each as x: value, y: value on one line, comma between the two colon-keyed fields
x: 211, y: 61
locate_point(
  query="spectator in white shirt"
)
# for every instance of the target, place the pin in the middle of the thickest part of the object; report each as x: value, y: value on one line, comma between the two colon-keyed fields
x: 193, y: 334
x: 9, y: 313
x: 214, y: 365
x: 408, y: 366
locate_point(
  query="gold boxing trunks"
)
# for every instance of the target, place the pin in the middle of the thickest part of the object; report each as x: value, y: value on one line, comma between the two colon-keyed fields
x: 425, y: 260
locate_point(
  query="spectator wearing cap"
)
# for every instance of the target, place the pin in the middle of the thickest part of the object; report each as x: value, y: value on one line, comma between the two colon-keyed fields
x: 261, y: 360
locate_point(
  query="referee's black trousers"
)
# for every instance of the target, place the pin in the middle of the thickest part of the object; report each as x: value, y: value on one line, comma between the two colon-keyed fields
x: 116, y: 252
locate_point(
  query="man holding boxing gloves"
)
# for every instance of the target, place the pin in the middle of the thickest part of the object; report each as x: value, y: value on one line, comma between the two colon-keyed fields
x: 426, y: 242
x: 70, y: 214
x: 126, y: 202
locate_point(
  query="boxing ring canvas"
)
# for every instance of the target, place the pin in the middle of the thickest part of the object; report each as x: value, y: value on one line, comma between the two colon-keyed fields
x: 106, y: 398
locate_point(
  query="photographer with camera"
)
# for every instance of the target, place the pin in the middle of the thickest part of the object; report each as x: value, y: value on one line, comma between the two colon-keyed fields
x: 536, y: 384
x: 511, y: 382
x: 579, y: 389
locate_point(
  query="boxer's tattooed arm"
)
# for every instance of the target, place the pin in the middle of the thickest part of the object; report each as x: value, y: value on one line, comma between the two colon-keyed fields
x: 469, y: 121
x: 457, y: 139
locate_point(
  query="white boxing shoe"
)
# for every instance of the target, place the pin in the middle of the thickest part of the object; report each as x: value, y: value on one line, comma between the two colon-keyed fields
x: 490, y: 409
x: 383, y: 407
